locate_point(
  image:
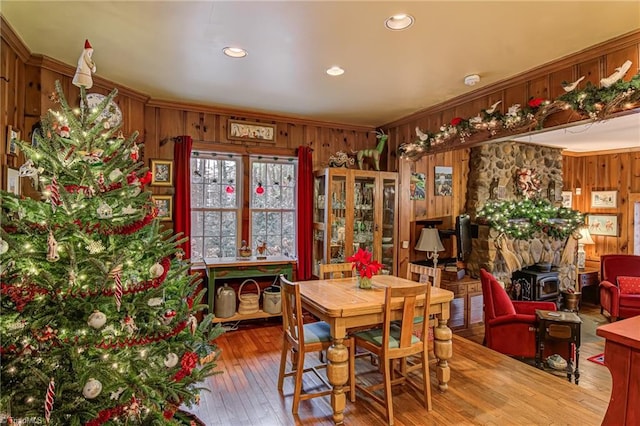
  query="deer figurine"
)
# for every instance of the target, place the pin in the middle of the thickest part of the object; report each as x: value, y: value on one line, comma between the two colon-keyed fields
x: 374, y: 154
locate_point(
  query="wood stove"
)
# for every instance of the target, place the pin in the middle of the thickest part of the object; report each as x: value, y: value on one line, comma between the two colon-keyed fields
x: 531, y: 284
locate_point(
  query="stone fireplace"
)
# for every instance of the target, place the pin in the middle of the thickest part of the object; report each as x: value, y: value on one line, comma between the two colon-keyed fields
x: 493, y: 175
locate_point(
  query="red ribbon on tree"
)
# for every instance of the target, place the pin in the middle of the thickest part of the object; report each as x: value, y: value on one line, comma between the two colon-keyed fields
x: 48, y: 400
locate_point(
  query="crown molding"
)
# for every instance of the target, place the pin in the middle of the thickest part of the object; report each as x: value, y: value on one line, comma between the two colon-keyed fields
x: 13, y: 40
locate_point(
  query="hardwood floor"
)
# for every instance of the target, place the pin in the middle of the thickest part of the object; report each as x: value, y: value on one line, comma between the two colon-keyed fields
x: 486, y: 388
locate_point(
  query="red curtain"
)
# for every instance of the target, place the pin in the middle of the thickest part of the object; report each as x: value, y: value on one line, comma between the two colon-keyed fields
x: 305, y: 213
x: 182, y: 206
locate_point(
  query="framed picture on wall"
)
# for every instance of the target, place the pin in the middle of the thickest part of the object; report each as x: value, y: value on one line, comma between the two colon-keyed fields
x: 443, y: 177
x: 246, y: 130
x: 603, y: 224
x: 13, y: 136
x: 604, y: 199
x: 13, y: 181
x: 417, y: 186
x: 567, y: 199
x: 164, y: 203
x: 161, y: 172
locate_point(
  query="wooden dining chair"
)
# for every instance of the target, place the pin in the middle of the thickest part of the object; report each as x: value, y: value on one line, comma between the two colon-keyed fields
x: 421, y: 274
x: 299, y: 339
x: 396, y: 341
x: 335, y: 270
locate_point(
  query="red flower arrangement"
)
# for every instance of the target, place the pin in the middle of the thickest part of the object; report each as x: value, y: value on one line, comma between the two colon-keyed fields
x: 362, y: 262
x: 535, y: 102
x: 455, y: 121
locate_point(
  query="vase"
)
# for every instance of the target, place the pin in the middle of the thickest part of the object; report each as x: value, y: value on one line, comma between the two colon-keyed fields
x: 364, y: 282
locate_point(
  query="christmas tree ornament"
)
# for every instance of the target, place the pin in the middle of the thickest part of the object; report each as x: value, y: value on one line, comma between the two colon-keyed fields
x: 73, y: 278
x: 65, y: 132
x: 54, y: 194
x: 129, y: 210
x: 95, y: 247
x: 94, y: 156
x: 155, y: 301
x: 171, y: 360
x: 85, y: 68
x: 115, y: 395
x: 92, y: 388
x: 117, y: 293
x: 115, y: 175
x: 4, y: 246
x: 104, y: 211
x: 167, y: 317
x: 192, y: 324
x: 97, y: 320
x: 229, y: 189
x: 156, y: 270
x: 259, y: 189
x: 52, y: 248
x: 134, y: 152
x: 48, y: 400
x: 129, y: 325
x: 101, y: 180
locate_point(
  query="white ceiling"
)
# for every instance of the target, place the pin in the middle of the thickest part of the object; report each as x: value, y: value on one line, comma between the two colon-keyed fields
x: 172, y: 50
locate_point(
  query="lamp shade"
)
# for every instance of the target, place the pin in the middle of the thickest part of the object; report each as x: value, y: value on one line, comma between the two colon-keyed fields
x: 585, y: 236
x: 429, y: 240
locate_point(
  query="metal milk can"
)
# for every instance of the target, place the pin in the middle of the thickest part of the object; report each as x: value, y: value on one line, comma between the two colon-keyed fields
x: 225, y: 302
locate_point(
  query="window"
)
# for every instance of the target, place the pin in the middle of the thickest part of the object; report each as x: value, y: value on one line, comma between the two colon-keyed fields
x: 217, y: 192
x: 273, y: 201
x: 215, y: 206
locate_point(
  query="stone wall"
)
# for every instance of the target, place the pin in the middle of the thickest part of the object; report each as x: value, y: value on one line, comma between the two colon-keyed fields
x: 493, y: 176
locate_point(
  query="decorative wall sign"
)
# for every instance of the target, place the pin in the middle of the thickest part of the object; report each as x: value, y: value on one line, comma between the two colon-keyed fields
x: 567, y: 199
x: 603, y: 224
x: 13, y: 181
x: 417, y: 186
x: 604, y: 199
x: 248, y: 131
x: 162, y: 172
x: 13, y: 136
x: 443, y: 177
x: 164, y: 203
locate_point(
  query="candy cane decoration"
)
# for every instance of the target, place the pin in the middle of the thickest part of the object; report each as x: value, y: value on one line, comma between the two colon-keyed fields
x: 55, y: 194
x: 115, y: 273
x: 48, y: 400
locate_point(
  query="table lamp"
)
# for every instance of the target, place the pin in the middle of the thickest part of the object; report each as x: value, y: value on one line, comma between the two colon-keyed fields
x: 430, y: 242
x: 585, y: 238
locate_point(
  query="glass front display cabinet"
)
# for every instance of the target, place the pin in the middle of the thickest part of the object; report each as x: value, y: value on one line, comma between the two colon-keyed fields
x: 355, y: 209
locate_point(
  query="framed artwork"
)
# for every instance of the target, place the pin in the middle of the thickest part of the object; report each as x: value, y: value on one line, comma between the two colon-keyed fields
x: 567, y: 199
x: 164, y: 203
x: 417, y: 186
x: 604, y: 199
x: 603, y: 224
x: 161, y: 172
x: 13, y: 136
x: 13, y: 181
x: 443, y: 177
x: 248, y: 131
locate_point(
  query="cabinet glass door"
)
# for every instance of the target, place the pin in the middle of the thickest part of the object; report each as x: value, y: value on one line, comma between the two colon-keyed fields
x: 336, y: 234
x: 364, y: 223
x: 319, y: 204
x: 388, y: 225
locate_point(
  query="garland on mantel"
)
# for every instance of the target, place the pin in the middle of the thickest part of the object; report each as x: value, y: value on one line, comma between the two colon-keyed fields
x: 526, y: 219
x: 592, y: 103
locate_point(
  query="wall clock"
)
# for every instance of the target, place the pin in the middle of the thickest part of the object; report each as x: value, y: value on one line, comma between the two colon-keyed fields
x: 111, y: 112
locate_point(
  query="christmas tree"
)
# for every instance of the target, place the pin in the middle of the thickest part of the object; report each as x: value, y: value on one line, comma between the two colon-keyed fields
x: 99, y: 313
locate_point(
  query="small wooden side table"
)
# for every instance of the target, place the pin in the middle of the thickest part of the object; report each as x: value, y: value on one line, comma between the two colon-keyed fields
x: 560, y: 327
x: 589, y: 278
x: 466, y: 307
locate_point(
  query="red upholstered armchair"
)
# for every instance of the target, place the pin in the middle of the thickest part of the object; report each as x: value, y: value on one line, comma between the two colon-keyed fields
x: 509, y: 326
x: 619, y: 298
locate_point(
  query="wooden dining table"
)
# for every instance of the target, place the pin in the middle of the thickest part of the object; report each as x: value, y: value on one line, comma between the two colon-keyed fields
x: 344, y: 306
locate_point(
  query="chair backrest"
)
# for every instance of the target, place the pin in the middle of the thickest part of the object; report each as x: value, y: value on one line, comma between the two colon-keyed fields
x: 614, y: 265
x: 335, y: 270
x: 408, y: 343
x: 496, y: 300
x: 292, y: 319
x: 423, y: 274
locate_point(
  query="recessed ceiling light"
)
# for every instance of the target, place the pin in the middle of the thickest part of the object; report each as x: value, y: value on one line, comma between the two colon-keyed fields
x: 335, y: 70
x: 472, y: 80
x: 234, y: 52
x: 399, y: 22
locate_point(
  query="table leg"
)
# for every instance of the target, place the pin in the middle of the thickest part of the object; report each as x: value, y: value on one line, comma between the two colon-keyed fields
x: 338, y: 374
x: 443, y: 348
